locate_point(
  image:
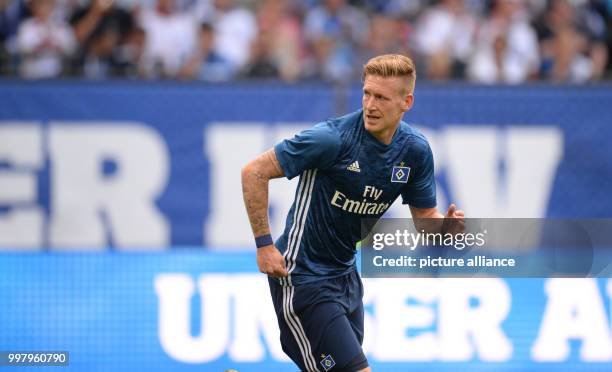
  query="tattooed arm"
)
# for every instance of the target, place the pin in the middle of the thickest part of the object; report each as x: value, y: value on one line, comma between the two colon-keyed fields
x: 255, y: 177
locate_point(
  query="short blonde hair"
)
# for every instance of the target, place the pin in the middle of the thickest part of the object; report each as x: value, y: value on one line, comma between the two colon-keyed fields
x: 389, y: 65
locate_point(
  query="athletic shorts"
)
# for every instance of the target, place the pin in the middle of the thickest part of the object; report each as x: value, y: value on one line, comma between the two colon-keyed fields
x: 321, y: 323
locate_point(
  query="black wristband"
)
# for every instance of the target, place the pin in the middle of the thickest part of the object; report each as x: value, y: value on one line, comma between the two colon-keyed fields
x: 263, y: 241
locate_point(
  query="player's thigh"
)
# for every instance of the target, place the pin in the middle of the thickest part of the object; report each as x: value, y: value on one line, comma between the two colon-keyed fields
x: 293, y: 341
x: 335, y: 339
x: 356, y: 313
x: 356, y: 320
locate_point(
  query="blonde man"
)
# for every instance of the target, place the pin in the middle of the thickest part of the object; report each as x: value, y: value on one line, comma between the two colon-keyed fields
x: 350, y: 168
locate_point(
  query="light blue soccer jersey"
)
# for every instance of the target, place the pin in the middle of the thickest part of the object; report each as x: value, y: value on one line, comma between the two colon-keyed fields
x: 345, y: 175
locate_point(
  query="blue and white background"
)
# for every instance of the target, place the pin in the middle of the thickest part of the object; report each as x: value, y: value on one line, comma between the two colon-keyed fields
x: 125, y: 241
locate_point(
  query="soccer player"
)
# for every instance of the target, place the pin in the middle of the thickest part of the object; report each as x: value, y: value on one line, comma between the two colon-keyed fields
x: 350, y: 168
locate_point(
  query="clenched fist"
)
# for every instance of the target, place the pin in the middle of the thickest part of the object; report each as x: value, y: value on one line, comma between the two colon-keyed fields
x: 271, y: 262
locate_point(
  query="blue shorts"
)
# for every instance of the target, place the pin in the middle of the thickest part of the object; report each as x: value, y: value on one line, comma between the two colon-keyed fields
x: 321, y: 323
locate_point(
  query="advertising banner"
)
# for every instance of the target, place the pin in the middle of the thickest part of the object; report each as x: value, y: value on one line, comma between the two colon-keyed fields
x: 188, y: 310
x: 141, y: 166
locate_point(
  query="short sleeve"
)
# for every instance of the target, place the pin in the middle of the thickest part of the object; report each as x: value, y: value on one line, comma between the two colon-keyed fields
x: 420, y: 191
x: 316, y: 147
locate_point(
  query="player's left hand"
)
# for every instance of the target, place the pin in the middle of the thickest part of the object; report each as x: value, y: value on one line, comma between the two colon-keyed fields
x: 454, y: 221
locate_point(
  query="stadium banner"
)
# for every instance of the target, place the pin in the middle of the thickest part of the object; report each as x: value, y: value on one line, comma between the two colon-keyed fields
x: 211, y: 311
x: 139, y: 165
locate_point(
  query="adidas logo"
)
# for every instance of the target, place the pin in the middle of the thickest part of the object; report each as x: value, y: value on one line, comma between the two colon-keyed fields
x: 354, y: 167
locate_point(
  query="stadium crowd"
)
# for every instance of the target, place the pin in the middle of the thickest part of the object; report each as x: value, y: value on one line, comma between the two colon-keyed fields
x: 483, y: 41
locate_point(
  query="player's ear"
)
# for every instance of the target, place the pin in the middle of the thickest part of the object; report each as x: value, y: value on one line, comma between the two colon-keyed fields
x: 407, y: 101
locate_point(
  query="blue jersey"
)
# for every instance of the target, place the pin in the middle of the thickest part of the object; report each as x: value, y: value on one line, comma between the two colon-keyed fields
x: 346, y: 175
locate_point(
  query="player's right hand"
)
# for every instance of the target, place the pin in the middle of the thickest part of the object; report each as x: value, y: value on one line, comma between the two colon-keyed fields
x: 270, y: 261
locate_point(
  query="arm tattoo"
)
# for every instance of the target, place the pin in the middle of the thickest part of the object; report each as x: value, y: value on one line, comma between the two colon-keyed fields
x: 255, y: 178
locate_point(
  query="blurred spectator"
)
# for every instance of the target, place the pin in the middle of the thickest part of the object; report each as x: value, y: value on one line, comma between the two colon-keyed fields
x: 261, y: 60
x: 12, y: 13
x: 444, y: 38
x: 486, y: 41
x: 336, y: 32
x: 43, y: 43
x: 170, y: 39
x: 535, y: 7
x: 235, y: 30
x: 205, y: 64
x: 506, y: 46
x: 128, y: 56
x: 396, y: 8
x: 386, y: 35
x: 277, y: 50
x: 572, y: 42
x: 100, y: 28
x: 606, y: 11
x: 65, y: 8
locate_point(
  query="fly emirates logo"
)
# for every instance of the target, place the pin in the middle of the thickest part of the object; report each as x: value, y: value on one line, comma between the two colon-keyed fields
x: 365, y: 206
